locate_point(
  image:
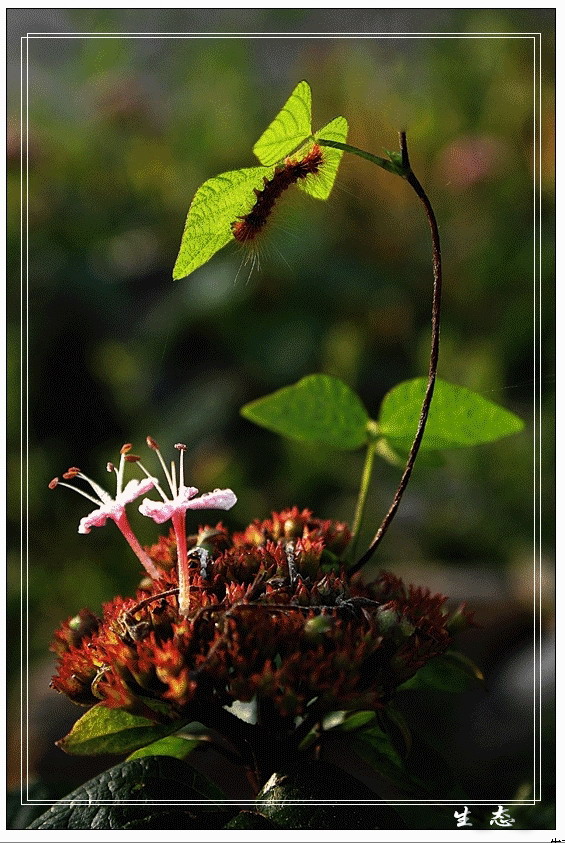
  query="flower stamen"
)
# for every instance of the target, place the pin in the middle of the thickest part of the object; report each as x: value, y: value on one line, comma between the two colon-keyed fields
x: 155, y: 447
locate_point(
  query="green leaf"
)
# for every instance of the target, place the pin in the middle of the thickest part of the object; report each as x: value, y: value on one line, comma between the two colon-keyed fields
x: 356, y: 720
x: 320, y: 185
x: 377, y: 749
x: 458, y: 417
x: 451, y: 672
x: 145, y: 780
x: 174, y: 746
x: 290, y: 128
x: 398, y: 721
x: 319, y: 409
x: 429, y: 768
x: 217, y: 204
x: 105, y: 730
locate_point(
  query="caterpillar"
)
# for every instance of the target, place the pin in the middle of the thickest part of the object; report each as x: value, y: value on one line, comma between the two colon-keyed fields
x: 246, y: 228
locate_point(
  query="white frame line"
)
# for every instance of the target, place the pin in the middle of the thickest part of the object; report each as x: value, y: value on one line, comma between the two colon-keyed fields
x: 24, y: 332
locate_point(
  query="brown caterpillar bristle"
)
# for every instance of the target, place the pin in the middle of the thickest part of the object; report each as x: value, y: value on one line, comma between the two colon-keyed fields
x: 246, y: 228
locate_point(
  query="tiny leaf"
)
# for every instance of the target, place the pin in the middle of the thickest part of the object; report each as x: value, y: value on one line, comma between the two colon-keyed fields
x: 458, y: 417
x: 320, y: 185
x: 357, y: 720
x: 217, y: 204
x: 174, y: 746
x: 452, y: 672
x: 396, y: 161
x: 105, y: 730
x: 319, y: 409
x: 290, y: 128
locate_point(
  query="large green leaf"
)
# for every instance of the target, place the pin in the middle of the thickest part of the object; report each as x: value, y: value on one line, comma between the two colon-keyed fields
x: 458, y: 417
x: 290, y: 128
x: 216, y: 205
x: 102, y: 803
x: 105, y: 730
x: 319, y: 408
x: 320, y: 185
x: 451, y: 672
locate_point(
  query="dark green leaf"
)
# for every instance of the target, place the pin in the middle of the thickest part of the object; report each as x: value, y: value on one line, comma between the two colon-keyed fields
x: 143, y: 781
x: 377, y: 749
x: 319, y: 409
x: 458, y: 417
x: 429, y: 768
x: 316, y: 781
x: 110, y: 730
x: 399, y: 723
x: 451, y: 672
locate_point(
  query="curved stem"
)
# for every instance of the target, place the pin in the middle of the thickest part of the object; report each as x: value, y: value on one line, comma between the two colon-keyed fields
x: 403, y: 169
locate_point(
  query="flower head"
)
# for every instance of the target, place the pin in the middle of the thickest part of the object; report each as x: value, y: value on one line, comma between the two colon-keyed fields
x: 268, y: 621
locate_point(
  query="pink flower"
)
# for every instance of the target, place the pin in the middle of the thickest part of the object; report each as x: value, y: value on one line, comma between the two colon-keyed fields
x: 174, y: 508
x: 162, y: 511
x: 113, y: 508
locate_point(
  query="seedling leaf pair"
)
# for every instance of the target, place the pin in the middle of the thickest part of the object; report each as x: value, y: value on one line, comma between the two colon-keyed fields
x: 221, y: 200
x: 322, y: 409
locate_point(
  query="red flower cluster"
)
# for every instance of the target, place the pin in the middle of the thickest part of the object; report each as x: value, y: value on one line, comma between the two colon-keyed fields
x: 273, y: 614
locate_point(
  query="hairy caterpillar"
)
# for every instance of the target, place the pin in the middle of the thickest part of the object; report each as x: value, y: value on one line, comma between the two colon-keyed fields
x: 246, y: 228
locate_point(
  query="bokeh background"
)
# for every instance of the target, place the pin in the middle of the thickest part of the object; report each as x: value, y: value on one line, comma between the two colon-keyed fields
x: 121, y: 134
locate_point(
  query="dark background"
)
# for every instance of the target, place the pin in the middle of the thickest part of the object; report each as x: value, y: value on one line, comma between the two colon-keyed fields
x: 121, y: 134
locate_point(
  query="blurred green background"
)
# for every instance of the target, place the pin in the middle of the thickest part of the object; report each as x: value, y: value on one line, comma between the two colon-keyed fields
x: 121, y: 134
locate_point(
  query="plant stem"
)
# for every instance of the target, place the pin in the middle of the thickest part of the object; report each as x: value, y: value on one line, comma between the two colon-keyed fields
x: 363, y: 492
x: 405, y: 171
x: 389, y: 166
